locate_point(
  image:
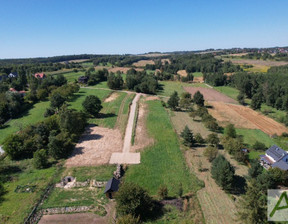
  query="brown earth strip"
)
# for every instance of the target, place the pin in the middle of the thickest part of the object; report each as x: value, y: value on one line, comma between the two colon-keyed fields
x: 112, y: 97
x: 143, y: 63
x: 210, y: 94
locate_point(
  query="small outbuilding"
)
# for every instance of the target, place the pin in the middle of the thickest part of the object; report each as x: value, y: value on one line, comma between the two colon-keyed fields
x: 13, y: 75
x: 83, y: 79
x: 40, y: 75
x: 112, y: 186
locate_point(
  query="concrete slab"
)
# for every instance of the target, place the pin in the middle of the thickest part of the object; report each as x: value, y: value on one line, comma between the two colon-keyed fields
x: 125, y: 158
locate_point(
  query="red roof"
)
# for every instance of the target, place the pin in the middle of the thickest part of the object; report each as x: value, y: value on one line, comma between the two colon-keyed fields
x: 40, y: 75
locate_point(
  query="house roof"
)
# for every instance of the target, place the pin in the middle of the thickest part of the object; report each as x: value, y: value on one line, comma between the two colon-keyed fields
x: 40, y: 75
x: 276, y: 152
x: 13, y: 74
x: 112, y: 185
x: 281, y: 165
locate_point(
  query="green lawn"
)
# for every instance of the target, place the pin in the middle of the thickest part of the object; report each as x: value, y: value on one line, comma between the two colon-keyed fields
x: 77, y: 100
x: 110, y: 111
x: 100, y: 85
x: 100, y: 173
x: 16, y: 206
x: 163, y: 163
x: 272, y: 112
x: 72, y: 76
x: 32, y: 116
x: 229, y: 91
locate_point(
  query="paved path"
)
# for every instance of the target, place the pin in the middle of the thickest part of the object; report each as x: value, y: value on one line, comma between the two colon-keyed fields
x: 126, y: 157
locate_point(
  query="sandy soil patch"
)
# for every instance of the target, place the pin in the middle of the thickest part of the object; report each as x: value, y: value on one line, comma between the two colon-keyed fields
x: 164, y: 61
x: 216, y: 205
x: 95, y: 147
x: 182, y: 73
x: 245, y: 117
x: 210, y: 94
x: 112, y: 97
x: 198, y: 79
x: 142, y: 139
x: 143, y: 63
x: 123, y: 70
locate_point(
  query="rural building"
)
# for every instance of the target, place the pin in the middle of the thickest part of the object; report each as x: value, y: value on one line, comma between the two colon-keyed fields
x: 112, y: 186
x: 40, y: 75
x: 275, y: 157
x: 83, y: 79
x: 13, y: 75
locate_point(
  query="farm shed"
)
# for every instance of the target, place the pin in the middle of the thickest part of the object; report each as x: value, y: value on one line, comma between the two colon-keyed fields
x: 112, y: 186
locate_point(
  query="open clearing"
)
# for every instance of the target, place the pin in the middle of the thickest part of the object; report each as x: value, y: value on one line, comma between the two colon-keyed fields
x: 182, y: 73
x: 95, y: 147
x: 216, y: 205
x: 210, y: 94
x: 258, y: 62
x: 245, y: 117
x: 143, y: 63
x: 116, y: 69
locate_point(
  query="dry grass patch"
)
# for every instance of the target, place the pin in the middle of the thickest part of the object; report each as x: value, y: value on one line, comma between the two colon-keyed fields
x: 112, y: 97
x: 182, y: 73
x: 143, y: 63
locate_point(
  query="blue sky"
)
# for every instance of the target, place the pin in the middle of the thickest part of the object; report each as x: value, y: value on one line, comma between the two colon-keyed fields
x: 33, y: 28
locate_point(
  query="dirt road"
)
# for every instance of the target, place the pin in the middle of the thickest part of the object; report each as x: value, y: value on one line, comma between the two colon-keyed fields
x: 126, y: 157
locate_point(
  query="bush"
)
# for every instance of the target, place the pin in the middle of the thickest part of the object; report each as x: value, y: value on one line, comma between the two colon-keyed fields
x: 134, y: 200
x: 40, y: 159
x: 259, y: 146
x: 128, y: 219
x: 92, y: 105
x: 210, y: 152
x: 230, y: 131
x: 213, y: 139
x: 163, y: 192
x: 199, y: 139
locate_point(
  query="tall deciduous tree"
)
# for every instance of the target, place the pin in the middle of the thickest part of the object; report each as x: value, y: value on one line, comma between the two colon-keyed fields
x: 173, y: 101
x: 92, y: 105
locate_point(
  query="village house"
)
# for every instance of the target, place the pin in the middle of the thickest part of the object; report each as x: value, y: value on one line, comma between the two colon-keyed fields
x: 40, y: 75
x: 112, y: 186
x: 275, y: 157
x: 13, y: 75
x: 83, y: 79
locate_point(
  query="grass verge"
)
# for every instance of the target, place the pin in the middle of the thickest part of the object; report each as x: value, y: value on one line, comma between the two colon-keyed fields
x: 163, y: 163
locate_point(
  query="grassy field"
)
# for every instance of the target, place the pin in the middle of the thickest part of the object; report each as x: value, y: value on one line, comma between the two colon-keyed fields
x: 72, y: 76
x: 197, y: 74
x: 16, y: 206
x: 170, y: 86
x: 272, y: 112
x: 100, y: 173
x: 77, y: 100
x: 32, y: 116
x: 110, y: 111
x: 229, y: 91
x: 162, y: 163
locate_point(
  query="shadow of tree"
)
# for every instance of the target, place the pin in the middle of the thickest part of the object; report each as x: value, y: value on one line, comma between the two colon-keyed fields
x: 239, y: 185
x: 102, y: 116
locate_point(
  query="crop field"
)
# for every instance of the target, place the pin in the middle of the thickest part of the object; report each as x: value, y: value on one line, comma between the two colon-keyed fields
x: 210, y: 94
x: 143, y: 63
x: 162, y: 163
x: 22, y: 174
x: 245, y: 117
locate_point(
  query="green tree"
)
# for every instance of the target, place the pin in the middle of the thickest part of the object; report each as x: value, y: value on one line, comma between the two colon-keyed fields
x: 241, y: 98
x: 230, y: 131
x: 57, y: 100
x: 213, y: 139
x: 256, y: 169
x: 256, y: 102
x: 211, y: 153
x: 185, y: 101
x: 134, y: 200
x: 187, y: 136
x: 199, y: 139
x: 173, y: 101
x: 259, y: 146
x: 92, y: 105
x: 223, y: 173
x: 60, y: 146
x: 128, y: 219
x: 13, y: 146
x: 40, y: 159
x: 198, y: 98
